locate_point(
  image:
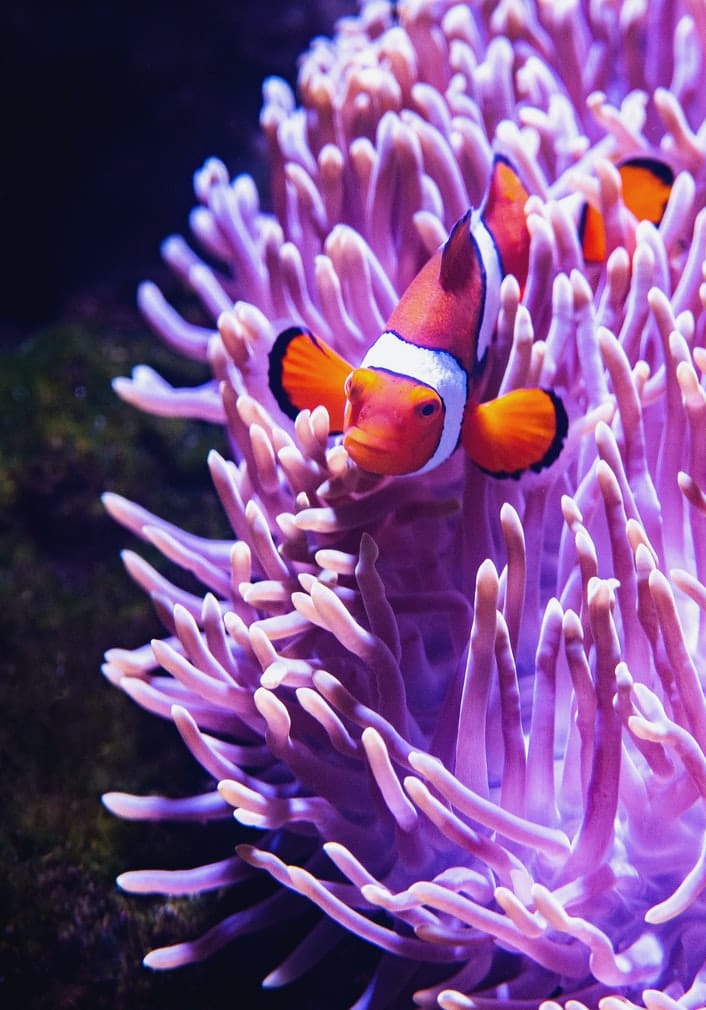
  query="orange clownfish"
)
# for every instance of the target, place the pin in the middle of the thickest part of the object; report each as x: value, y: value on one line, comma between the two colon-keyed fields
x: 646, y: 184
x: 410, y: 403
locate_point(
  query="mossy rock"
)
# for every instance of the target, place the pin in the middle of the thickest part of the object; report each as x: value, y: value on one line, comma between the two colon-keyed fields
x: 71, y: 939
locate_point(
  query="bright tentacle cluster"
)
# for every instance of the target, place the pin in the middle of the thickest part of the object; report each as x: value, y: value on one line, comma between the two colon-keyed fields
x: 466, y: 716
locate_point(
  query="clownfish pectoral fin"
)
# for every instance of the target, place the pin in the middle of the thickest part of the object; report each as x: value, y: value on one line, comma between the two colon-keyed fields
x: 304, y: 373
x: 522, y: 430
x: 646, y: 184
x: 504, y: 216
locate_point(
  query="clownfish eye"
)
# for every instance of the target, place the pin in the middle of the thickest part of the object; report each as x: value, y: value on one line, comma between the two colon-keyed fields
x: 427, y: 408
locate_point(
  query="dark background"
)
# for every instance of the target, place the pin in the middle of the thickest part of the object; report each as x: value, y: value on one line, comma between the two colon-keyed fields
x: 108, y: 109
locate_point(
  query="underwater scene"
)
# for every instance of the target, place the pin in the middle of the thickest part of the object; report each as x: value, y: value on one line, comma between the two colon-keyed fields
x: 383, y: 513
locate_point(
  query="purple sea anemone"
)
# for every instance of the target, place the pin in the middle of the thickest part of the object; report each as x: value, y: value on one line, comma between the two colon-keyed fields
x: 467, y: 715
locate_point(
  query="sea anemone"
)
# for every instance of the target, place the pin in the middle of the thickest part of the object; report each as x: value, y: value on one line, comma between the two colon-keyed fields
x: 466, y: 715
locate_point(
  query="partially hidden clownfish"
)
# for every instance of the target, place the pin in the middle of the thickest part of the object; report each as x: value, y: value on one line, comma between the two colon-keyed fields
x: 412, y: 401
x: 646, y: 185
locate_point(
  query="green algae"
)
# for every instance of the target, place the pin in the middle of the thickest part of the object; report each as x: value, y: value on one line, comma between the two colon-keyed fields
x: 69, y: 938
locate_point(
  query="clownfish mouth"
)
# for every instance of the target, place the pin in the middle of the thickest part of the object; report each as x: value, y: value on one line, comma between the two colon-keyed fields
x: 371, y: 454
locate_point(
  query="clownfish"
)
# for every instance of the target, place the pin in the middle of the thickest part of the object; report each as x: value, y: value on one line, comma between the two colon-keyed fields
x: 411, y: 402
x: 646, y: 184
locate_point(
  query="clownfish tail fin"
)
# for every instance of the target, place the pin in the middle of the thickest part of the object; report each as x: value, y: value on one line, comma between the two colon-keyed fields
x: 522, y: 430
x: 304, y: 373
x: 504, y: 216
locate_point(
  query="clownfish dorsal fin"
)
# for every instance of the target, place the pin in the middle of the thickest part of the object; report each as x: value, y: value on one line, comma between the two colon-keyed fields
x: 304, y: 373
x: 456, y: 265
x: 504, y: 216
x: 522, y: 430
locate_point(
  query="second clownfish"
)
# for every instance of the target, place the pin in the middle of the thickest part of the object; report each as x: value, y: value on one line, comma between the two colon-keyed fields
x: 646, y: 186
x: 411, y: 402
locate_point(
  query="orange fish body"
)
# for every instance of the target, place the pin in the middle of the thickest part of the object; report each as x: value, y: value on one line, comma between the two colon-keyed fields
x: 410, y: 404
x: 646, y: 185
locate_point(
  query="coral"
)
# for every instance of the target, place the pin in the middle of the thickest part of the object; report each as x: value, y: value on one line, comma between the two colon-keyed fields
x: 466, y: 715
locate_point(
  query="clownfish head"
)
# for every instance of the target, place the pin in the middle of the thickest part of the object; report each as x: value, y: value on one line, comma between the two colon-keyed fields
x: 392, y: 423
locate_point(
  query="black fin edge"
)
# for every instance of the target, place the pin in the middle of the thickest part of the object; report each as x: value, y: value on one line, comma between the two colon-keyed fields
x: 277, y: 354
x: 555, y: 447
x: 660, y: 169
